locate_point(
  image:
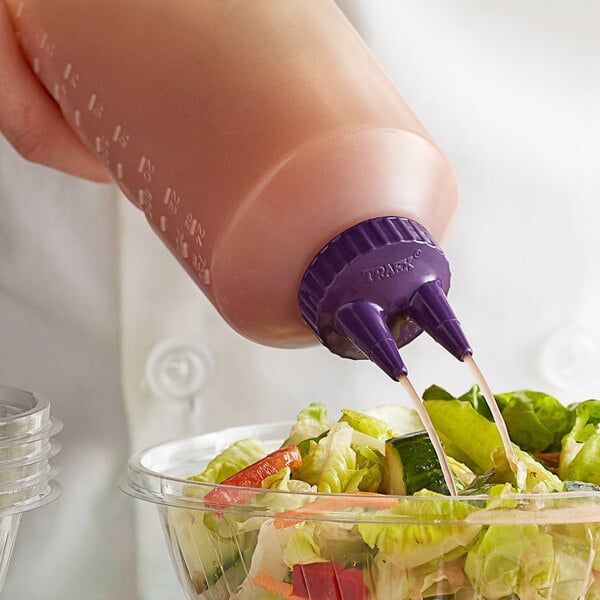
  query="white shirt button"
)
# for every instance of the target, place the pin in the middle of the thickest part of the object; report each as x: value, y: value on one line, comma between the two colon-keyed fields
x: 570, y: 358
x: 178, y: 369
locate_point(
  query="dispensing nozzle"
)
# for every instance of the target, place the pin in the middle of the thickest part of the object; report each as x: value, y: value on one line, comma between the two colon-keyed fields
x: 364, y: 324
x: 375, y: 287
x: 430, y: 309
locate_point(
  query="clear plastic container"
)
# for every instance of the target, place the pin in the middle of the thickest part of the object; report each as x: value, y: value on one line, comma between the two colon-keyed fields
x: 22, y: 413
x: 23, y: 450
x: 26, y: 475
x: 388, y: 548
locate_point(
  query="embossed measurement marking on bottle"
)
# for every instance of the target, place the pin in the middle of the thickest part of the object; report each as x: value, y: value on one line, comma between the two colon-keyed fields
x: 181, y: 244
x: 81, y: 104
x: 172, y: 200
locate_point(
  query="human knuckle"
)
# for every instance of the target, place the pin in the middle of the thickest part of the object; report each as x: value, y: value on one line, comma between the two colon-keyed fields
x: 28, y: 134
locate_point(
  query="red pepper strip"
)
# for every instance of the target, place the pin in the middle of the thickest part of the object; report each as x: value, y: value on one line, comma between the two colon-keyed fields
x: 252, y: 476
x: 328, y: 581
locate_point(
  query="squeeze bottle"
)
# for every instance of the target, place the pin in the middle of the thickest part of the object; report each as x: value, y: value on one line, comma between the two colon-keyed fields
x: 271, y: 154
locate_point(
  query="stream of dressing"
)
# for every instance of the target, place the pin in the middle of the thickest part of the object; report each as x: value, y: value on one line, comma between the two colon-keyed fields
x: 433, y: 436
x: 496, y: 414
x: 435, y: 440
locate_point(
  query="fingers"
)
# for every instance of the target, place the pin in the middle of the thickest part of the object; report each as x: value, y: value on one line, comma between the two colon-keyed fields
x: 30, y: 119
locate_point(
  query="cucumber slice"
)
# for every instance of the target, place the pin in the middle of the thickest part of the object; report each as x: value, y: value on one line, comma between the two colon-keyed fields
x: 413, y: 465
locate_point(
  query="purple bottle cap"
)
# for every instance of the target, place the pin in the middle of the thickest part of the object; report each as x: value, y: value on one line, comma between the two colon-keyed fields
x: 375, y: 287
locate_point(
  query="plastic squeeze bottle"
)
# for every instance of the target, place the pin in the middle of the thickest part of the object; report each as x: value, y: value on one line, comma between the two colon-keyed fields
x: 270, y: 153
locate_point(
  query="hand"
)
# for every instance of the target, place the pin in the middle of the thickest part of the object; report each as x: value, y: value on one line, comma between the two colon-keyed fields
x: 30, y: 119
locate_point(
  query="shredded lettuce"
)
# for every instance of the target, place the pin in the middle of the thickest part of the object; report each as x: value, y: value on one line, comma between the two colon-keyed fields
x: 439, y: 548
x: 302, y: 548
x: 510, y: 559
x: 438, y: 579
x: 413, y: 544
x: 334, y: 466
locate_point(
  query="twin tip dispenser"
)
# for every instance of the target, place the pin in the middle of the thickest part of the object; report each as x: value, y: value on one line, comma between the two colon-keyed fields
x: 375, y: 287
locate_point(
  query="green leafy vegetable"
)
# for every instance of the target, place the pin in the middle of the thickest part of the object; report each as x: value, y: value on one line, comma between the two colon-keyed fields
x: 580, y: 457
x: 235, y: 458
x: 367, y: 424
x: 435, y: 392
x: 456, y: 421
x: 413, y: 544
x: 511, y: 560
x: 310, y: 423
x: 399, y: 419
x: 536, y: 421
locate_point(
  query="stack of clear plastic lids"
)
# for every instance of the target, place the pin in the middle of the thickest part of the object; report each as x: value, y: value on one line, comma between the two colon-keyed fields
x: 26, y: 475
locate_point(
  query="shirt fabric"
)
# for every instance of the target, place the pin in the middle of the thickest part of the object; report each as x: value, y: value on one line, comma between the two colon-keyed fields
x: 98, y: 317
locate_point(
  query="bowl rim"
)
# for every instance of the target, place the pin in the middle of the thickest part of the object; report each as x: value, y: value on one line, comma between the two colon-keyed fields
x: 151, y: 485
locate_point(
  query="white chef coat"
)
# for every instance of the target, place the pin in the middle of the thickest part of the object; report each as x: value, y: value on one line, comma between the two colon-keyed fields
x: 95, y: 315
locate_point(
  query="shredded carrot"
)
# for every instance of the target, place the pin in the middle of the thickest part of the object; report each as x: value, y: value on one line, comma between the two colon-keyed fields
x: 273, y: 585
x: 287, y: 518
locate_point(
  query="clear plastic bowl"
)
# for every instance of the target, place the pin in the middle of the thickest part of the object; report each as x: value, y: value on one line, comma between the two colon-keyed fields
x: 389, y: 548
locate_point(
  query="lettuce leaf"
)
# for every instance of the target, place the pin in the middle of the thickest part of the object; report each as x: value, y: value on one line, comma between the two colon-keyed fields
x: 372, y: 466
x: 302, y: 548
x: 399, y: 419
x: 574, y: 546
x: 456, y: 421
x: 438, y: 579
x: 334, y: 465
x: 372, y: 426
x: 339, y: 473
x: 235, y: 458
x: 324, y: 541
x: 511, y: 559
x: 466, y: 435
x: 410, y: 545
x: 310, y: 423
x: 531, y: 476
x: 580, y: 456
x: 536, y: 421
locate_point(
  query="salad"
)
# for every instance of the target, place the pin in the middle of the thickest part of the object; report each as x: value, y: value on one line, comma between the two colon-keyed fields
x: 357, y: 508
